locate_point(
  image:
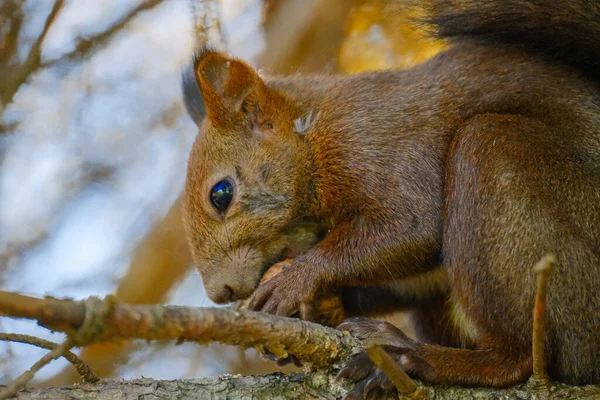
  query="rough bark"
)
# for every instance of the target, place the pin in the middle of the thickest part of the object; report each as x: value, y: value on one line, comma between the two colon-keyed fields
x: 316, y: 385
x: 94, y: 320
x: 322, y: 347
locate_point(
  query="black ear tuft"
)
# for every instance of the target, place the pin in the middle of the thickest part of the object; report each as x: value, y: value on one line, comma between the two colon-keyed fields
x: 192, y: 95
x: 215, y: 86
x: 199, y: 54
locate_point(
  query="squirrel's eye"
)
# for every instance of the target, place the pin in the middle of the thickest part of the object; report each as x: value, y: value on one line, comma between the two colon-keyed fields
x: 221, y: 195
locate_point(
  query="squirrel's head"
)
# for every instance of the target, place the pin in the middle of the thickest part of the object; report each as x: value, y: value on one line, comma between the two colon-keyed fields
x: 242, y: 203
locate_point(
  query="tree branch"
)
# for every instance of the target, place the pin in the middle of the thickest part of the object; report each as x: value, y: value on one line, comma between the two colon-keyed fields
x: 12, y: 76
x: 315, y: 385
x: 11, y: 15
x: 84, y: 45
x: 94, y: 320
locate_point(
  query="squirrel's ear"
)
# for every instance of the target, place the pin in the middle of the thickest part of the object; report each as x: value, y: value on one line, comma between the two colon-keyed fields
x: 224, y: 84
x: 192, y: 96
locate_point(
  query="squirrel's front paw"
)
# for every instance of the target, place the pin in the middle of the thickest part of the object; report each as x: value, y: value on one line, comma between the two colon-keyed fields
x: 370, y: 382
x: 273, y: 271
x: 325, y: 307
x: 284, y: 294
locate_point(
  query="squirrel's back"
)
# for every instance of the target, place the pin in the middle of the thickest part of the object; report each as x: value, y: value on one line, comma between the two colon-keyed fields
x: 568, y: 30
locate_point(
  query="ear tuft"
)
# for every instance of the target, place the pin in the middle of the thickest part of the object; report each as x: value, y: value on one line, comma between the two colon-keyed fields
x: 192, y: 96
x: 225, y: 84
x: 200, y: 53
x: 190, y: 87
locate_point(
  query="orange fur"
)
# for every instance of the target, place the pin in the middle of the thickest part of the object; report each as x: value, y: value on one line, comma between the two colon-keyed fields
x: 475, y: 163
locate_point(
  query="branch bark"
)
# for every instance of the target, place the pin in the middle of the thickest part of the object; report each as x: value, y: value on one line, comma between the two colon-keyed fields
x: 322, y: 347
x: 316, y: 385
x: 94, y: 320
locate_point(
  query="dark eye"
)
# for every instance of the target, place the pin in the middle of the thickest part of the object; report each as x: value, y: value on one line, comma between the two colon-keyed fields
x: 221, y: 195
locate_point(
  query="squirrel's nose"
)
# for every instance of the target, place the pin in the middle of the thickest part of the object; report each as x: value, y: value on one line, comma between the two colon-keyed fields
x: 222, y: 295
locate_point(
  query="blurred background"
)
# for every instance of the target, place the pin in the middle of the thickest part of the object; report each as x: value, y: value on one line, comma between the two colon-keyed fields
x: 94, y: 142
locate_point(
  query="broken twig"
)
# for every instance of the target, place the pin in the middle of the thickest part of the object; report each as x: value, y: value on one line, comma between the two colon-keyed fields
x: 543, y: 269
x: 403, y: 383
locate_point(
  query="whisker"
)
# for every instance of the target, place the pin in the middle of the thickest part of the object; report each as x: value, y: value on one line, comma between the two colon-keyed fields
x: 228, y: 237
x: 218, y: 244
x: 248, y: 251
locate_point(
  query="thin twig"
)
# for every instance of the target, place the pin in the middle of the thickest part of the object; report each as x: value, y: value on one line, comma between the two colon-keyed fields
x: 13, y: 388
x: 543, y: 269
x: 385, y: 363
x: 14, y: 77
x: 85, y: 44
x: 84, y: 371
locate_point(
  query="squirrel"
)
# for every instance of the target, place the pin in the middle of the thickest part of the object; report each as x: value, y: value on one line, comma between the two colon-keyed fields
x: 433, y: 189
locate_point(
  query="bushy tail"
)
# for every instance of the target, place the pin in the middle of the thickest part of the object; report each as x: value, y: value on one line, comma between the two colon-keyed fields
x: 568, y: 30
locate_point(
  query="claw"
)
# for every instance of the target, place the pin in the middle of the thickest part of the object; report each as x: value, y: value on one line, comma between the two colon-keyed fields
x: 296, y: 361
x: 376, y: 381
x: 257, y: 301
x: 268, y: 356
x: 357, y: 369
x: 282, y: 362
x: 356, y: 393
x: 373, y: 394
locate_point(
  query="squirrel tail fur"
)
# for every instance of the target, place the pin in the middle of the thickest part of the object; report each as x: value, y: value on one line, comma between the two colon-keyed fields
x: 568, y: 30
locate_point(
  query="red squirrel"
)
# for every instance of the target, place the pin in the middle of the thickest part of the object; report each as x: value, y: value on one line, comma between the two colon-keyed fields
x: 433, y: 189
